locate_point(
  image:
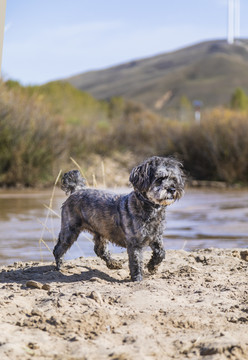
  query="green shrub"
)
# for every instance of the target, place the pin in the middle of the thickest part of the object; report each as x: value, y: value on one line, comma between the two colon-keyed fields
x: 239, y: 100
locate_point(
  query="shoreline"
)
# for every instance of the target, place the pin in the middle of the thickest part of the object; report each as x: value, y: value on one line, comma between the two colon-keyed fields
x: 191, y: 185
x: 195, y: 307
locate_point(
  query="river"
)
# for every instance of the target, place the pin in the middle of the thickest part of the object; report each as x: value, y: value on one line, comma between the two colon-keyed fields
x: 201, y: 219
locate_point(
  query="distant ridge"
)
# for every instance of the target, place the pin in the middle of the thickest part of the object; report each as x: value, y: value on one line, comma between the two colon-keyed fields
x: 209, y: 71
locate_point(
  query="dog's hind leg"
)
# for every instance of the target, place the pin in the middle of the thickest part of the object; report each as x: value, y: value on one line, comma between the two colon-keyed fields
x: 158, y: 255
x: 101, y: 250
x: 67, y: 236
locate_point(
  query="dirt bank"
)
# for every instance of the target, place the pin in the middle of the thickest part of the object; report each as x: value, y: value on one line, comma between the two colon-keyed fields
x: 195, y: 307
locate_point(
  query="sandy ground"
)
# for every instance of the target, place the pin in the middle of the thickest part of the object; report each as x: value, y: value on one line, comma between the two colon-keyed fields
x: 195, y: 307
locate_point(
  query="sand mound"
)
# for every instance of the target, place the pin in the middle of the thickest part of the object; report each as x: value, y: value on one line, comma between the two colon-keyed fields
x: 195, y: 307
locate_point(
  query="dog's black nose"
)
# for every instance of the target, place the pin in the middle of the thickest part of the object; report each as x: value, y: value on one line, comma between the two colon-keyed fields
x: 171, y: 190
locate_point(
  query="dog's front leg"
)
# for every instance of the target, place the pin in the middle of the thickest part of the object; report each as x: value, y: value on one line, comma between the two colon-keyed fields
x: 135, y: 257
x: 158, y: 254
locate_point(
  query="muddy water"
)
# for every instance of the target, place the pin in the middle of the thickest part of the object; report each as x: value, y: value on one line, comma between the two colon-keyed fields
x: 201, y: 219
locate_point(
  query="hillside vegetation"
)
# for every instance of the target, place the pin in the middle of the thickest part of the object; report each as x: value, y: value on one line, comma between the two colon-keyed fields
x: 42, y: 127
x: 208, y: 71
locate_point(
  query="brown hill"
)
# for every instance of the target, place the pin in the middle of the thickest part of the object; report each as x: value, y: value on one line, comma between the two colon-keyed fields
x: 208, y: 71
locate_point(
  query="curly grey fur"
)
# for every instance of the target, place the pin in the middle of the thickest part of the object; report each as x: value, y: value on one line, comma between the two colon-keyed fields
x: 72, y: 181
x: 133, y: 221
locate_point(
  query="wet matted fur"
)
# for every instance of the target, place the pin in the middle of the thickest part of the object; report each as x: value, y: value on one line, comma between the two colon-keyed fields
x: 133, y: 221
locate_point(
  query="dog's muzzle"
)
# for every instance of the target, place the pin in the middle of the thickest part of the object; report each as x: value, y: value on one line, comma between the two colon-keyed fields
x: 163, y: 197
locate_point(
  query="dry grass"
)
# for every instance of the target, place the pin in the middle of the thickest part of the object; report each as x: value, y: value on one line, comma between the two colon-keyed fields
x: 34, y: 144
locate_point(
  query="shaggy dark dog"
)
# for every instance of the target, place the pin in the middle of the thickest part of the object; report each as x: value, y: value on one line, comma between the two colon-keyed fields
x: 133, y: 221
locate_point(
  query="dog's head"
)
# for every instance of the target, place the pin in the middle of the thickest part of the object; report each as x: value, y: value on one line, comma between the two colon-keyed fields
x: 160, y: 180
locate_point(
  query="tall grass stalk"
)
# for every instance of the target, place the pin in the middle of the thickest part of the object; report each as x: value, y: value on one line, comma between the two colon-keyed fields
x: 49, y: 210
x: 103, y: 174
x: 80, y: 169
x: 184, y: 244
x: 94, y: 181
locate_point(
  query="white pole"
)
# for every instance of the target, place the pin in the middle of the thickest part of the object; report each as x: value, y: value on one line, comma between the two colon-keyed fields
x: 2, y: 23
x: 230, y: 31
x: 237, y: 19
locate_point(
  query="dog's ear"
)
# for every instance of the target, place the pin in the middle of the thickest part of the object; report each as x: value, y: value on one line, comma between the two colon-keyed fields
x: 181, y: 174
x: 140, y: 177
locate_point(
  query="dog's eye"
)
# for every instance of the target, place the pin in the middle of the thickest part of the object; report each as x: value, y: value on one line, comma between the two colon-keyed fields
x: 159, y: 181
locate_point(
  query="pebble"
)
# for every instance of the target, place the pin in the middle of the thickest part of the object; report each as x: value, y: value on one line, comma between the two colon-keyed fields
x: 46, y: 287
x: 244, y: 255
x: 37, y: 285
x: 96, y: 296
x: 36, y: 312
x: 33, y: 284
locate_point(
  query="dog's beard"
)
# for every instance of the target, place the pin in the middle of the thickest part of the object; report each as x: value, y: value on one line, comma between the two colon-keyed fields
x: 167, y: 202
x: 160, y: 197
x: 163, y: 197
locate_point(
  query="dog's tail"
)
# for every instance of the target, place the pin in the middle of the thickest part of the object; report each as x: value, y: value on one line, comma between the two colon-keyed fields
x: 72, y: 181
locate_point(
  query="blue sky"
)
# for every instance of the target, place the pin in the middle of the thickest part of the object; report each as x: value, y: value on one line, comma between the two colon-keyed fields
x: 52, y: 39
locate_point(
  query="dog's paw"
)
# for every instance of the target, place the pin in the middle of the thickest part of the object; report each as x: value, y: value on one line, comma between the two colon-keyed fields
x: 138, y: 277
x: 114, y: 264
x: 58, y: 265
x: 151, y: 268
